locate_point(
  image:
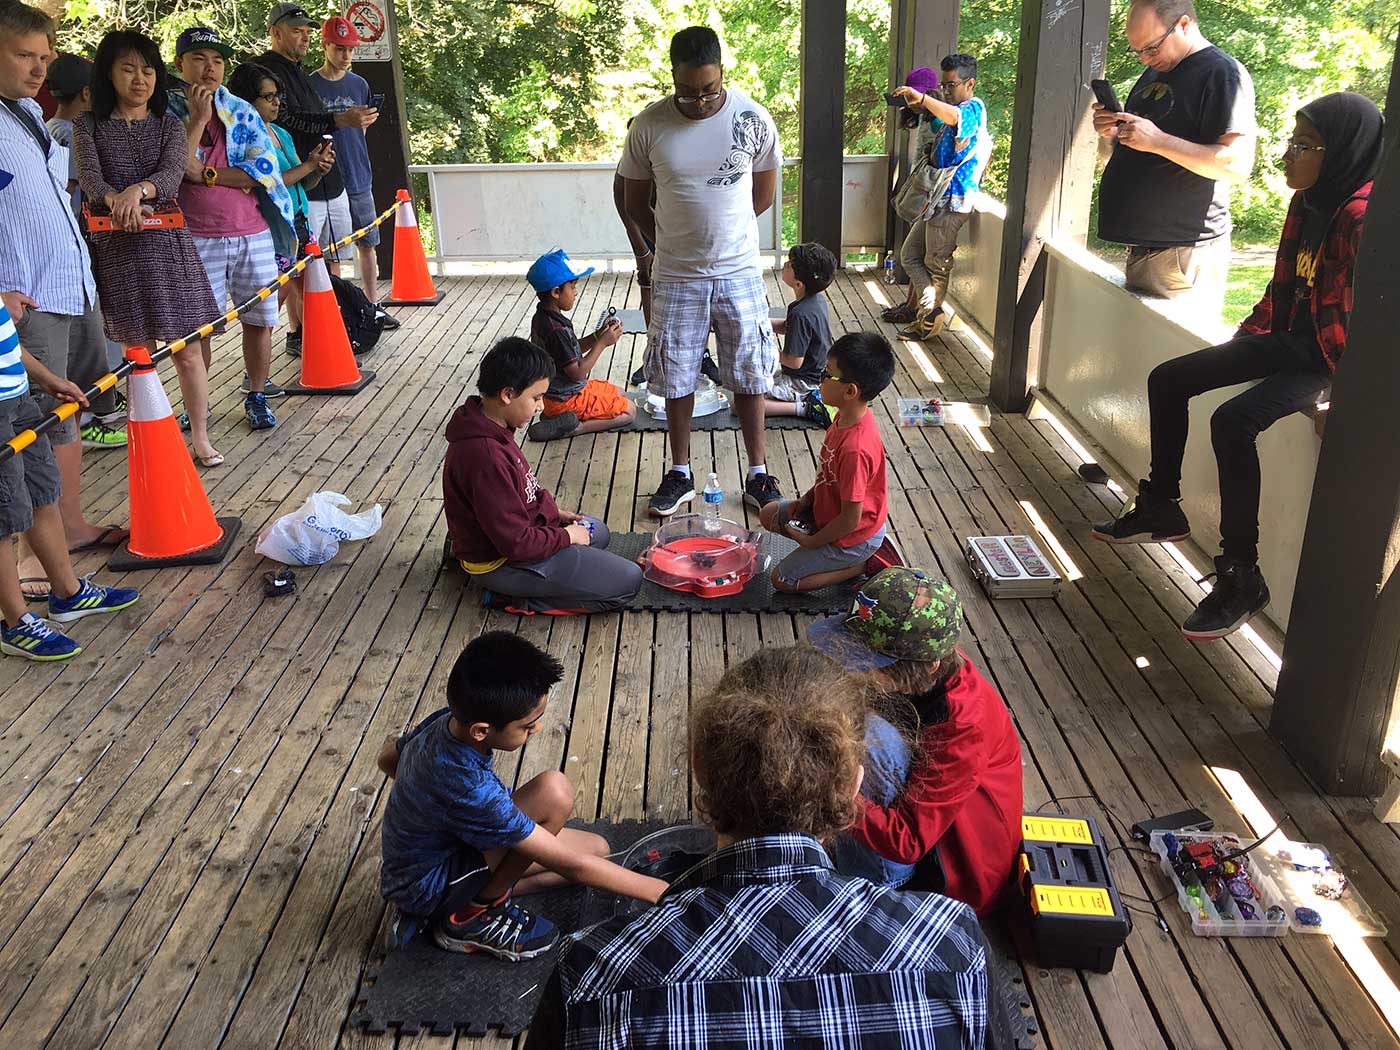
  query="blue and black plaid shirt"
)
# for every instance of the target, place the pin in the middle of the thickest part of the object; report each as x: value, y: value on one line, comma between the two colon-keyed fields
x: 764, y: 945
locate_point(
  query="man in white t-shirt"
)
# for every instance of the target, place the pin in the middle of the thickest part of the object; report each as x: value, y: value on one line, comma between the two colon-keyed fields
x: 713, y: 156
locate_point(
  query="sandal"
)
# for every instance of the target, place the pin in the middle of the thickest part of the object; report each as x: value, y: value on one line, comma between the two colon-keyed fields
x: 110, y: 536
x: 216, y: 460
x: 35, y: 595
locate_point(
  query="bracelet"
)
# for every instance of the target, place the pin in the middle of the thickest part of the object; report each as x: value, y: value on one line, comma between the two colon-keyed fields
x: 639, y: 258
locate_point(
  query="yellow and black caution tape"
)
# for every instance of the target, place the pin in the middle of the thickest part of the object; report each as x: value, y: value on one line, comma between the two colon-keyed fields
x: 25, y: 438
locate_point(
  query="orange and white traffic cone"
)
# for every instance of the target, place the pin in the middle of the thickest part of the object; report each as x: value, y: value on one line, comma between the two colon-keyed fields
x: 171, y: 520
x: 327, y: 362
x: 412, y: 283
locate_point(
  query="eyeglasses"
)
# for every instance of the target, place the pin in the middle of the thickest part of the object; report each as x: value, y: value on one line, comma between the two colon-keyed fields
x: 690, y: 100
x: 1150, y: 51
x: 948, y: 85
x: 827, y: 375
x: 271, y: 96
x: 1297, y: 149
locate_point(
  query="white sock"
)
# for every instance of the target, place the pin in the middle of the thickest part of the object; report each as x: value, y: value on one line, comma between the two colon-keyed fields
x: 757, y: 468
x: 681, y: 468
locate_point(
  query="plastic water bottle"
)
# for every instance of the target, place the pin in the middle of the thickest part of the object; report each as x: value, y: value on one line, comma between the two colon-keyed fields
x: 889, y: 268
x: 714, y: 497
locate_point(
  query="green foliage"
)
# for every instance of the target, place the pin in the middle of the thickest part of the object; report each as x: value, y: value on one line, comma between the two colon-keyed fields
x: 557, y: 80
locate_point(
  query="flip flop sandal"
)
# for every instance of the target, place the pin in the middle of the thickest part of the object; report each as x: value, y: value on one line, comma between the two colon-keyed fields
x: 111, y: 536
x: 31, y: 596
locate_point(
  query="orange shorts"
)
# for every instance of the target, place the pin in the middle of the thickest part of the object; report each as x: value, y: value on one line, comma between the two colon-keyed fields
x: 598, y: 399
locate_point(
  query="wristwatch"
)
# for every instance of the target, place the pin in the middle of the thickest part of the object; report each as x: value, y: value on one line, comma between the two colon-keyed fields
x: 211, y: 176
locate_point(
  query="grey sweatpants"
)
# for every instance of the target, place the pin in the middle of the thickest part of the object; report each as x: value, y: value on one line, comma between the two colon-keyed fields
x: 588, y: 579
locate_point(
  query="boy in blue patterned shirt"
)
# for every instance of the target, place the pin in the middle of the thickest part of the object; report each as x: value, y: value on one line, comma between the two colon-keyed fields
x: 457, y: 843
x: 29, y: 487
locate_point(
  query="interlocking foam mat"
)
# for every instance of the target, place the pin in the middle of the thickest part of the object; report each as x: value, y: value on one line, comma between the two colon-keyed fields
x: 720, y: 421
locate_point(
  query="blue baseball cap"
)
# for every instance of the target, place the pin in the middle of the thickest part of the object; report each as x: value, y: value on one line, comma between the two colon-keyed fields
x: 552, y: 270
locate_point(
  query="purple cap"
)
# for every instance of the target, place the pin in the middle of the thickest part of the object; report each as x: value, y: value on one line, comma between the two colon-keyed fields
x: 922, y: 80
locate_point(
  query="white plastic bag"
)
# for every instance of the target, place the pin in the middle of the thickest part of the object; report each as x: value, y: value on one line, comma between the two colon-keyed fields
x: 311, y: 535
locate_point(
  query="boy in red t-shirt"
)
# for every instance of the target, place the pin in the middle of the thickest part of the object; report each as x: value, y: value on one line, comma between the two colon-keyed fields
x: 840, y: 523
x: 950, y: 805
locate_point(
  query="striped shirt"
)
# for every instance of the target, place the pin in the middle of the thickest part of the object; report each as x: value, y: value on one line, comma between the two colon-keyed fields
x: 42, y: 252
x: 763, y: 945
x: 13, y: 381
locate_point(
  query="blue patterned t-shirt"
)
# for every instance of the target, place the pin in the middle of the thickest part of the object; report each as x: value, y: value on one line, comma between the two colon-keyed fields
x: 13, y: 380
x: 445, y: 796
x: 971, y: 160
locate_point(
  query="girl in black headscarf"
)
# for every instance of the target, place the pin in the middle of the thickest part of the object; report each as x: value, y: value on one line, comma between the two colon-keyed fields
x: 1291, y: 344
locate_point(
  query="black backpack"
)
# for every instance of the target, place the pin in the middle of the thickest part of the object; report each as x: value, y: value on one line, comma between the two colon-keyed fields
x: 361, y: 324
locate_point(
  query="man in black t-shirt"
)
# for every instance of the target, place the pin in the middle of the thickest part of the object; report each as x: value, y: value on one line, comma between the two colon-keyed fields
x: 1188, y: 132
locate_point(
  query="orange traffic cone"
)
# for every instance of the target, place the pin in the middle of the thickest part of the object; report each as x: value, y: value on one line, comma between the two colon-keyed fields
x: 171, y: 520
x: 412, y: 284
x: 327, y: 362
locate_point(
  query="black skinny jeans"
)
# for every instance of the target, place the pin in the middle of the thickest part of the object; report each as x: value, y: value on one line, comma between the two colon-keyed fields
x: 1292, y: 375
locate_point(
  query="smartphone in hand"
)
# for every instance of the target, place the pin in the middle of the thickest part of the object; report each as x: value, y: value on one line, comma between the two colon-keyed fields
x: 1107, y: 97
x: 376, y: 101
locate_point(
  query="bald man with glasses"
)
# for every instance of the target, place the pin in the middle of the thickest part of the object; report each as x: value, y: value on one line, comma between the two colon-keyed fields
x: 1187, y: 134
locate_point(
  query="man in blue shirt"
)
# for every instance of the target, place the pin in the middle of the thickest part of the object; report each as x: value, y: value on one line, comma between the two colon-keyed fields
x: 954, y: 131
x: 342, y: 90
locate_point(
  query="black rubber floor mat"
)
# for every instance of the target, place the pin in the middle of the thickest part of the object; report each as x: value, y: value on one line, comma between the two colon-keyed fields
x: 757, y: 596
x: 421, y: 987
x: 1011, y: 1022
x: 720, y: 421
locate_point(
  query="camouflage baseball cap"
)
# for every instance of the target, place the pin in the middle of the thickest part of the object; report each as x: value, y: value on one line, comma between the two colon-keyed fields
x: 900, y: 614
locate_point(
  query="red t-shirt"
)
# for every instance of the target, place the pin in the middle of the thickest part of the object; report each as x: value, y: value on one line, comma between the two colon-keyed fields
x: 852, y: 471
x: 964, y: 797
x: 218, y: 211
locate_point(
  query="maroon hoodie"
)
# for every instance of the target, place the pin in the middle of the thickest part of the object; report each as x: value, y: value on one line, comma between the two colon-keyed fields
x: 495, y: 507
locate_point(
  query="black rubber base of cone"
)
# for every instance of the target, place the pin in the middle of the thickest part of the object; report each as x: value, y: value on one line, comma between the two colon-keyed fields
x: 122, y: 560
x: 366, y: 377
x: 420, y: 302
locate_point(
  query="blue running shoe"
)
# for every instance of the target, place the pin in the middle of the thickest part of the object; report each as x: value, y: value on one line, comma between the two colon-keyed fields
x: 506, y: 931
x: 260, y: 417
x: 89, y: 600
x: 34, y: 639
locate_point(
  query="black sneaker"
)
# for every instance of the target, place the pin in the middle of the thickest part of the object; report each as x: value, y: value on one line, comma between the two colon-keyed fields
x: 1240, y: 594
x: 675, y: 488
x: 709, y: 369
x: 814, y: 410
x: 506, y: 931
x: 294, y: 343
x: 638, y: 377
x: 1148, y: 519
x: 761, y: 490
x: 386, y: 321
x: 552, y: 428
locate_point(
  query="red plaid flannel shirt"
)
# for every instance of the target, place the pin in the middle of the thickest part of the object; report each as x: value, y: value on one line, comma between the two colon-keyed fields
x: 1331, y: 298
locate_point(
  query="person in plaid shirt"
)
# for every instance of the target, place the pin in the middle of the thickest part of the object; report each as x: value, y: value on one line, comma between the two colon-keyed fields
x: 1291, y: 344
x: 762, y: 943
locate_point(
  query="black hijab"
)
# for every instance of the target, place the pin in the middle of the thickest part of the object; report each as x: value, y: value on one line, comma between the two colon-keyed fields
x: 1350, y: 126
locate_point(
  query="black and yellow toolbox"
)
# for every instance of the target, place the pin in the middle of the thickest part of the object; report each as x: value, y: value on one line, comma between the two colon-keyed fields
x: 1076, y: 917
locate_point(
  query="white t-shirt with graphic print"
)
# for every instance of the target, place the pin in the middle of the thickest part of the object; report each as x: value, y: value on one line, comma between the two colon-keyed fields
x: 703, y: 171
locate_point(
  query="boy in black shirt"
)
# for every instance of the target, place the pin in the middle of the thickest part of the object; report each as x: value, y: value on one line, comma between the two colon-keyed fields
x: 806, y: 333
x: 573, y: 404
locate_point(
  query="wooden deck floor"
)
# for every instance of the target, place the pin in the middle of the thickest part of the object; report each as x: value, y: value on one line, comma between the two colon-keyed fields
x: 189, y: 812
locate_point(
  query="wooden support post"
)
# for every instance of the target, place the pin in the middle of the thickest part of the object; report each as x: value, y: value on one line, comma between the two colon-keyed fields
x: 823, y: 121
x: 1053, y: 147
x: 377, y: 60
x: 921, y: 33
x: 1334, y: 706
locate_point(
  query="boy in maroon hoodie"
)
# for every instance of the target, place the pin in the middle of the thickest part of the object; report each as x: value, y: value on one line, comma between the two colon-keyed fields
x: 506, y: 530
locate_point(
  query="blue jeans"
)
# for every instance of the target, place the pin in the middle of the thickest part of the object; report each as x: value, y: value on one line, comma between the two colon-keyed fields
x: 886, y: 770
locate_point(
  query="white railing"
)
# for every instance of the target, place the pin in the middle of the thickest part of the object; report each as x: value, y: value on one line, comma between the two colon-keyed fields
x: 516, y: 212
x: 1099, y: 342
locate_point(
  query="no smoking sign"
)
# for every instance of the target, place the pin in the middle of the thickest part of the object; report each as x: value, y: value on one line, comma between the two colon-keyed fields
x: 369, y: 19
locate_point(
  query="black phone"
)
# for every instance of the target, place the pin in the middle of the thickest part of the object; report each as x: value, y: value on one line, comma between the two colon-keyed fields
x: 1107, y: 97
x: 376, y: 102
x: 896, y: 100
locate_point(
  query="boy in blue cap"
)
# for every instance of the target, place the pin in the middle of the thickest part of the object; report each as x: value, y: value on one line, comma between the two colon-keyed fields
x: 573, y: 404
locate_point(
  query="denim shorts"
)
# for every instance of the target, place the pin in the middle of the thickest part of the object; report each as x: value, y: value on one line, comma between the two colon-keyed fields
x: 30, y: 479
x: 805, y: 562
